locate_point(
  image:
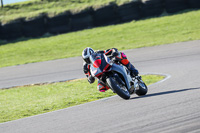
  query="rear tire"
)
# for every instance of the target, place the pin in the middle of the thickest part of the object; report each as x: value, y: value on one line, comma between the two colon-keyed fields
x: 142, y: 89
x: 123, y: 93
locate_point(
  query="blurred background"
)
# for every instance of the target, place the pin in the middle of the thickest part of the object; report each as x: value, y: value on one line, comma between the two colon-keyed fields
x: 11, y: 1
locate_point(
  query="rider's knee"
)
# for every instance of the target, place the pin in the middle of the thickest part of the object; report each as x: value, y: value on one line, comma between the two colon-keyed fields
x: 102, y: 88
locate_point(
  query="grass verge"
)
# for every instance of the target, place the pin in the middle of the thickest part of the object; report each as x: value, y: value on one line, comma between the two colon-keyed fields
x: 16, y: 103
x: 33, y: 8
x: 150, y: 32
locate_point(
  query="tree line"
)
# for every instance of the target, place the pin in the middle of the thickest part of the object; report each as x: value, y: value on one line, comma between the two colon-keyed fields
x: 1, y: 3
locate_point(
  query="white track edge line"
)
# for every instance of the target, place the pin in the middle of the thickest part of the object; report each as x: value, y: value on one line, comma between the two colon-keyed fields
x: 167, y: 76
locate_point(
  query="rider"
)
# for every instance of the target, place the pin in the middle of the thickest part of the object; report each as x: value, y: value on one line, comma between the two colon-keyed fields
x: 119, y: 56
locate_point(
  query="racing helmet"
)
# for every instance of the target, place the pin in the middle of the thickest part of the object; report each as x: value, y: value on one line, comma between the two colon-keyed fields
x: 86, y: 54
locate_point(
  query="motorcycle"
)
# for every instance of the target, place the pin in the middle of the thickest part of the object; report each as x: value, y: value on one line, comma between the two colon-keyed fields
x: 116, y: 76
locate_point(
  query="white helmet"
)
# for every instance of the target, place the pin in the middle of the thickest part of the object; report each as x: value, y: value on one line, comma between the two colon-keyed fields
x: 86, y: 54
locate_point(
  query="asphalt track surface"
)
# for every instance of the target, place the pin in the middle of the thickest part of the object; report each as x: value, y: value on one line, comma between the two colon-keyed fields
x: 172, y: 106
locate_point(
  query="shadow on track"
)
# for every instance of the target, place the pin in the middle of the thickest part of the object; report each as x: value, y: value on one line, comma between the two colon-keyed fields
x: 166, y: 92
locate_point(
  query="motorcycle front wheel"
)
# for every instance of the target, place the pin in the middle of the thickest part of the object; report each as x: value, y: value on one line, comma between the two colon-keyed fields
x: 119, y: 89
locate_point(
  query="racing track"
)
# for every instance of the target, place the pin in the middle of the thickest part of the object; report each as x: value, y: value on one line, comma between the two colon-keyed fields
x: 171, y: 106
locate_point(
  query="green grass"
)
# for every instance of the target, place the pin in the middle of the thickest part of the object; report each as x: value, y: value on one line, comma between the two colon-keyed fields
x: 51, y: 7
x: 27, y: 101
x: 149, y: 32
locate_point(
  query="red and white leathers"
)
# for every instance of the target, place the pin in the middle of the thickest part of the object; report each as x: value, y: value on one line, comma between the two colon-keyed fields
x: 120, y: 56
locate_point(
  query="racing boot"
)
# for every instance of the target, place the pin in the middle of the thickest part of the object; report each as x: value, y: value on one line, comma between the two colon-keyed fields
x: 134, y: 71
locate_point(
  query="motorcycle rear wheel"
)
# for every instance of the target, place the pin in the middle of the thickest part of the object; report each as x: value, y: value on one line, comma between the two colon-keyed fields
x: 120, y: 90
x: 142, y: 89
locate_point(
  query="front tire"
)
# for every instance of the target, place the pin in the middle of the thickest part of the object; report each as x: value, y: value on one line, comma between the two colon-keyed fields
x: 122, y: 92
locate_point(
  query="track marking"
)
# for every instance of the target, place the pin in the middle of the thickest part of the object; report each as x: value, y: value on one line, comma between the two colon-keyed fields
x: 167, y: 76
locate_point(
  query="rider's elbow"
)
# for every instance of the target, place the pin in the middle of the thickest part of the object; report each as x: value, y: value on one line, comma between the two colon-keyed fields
x: 91, y: 79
